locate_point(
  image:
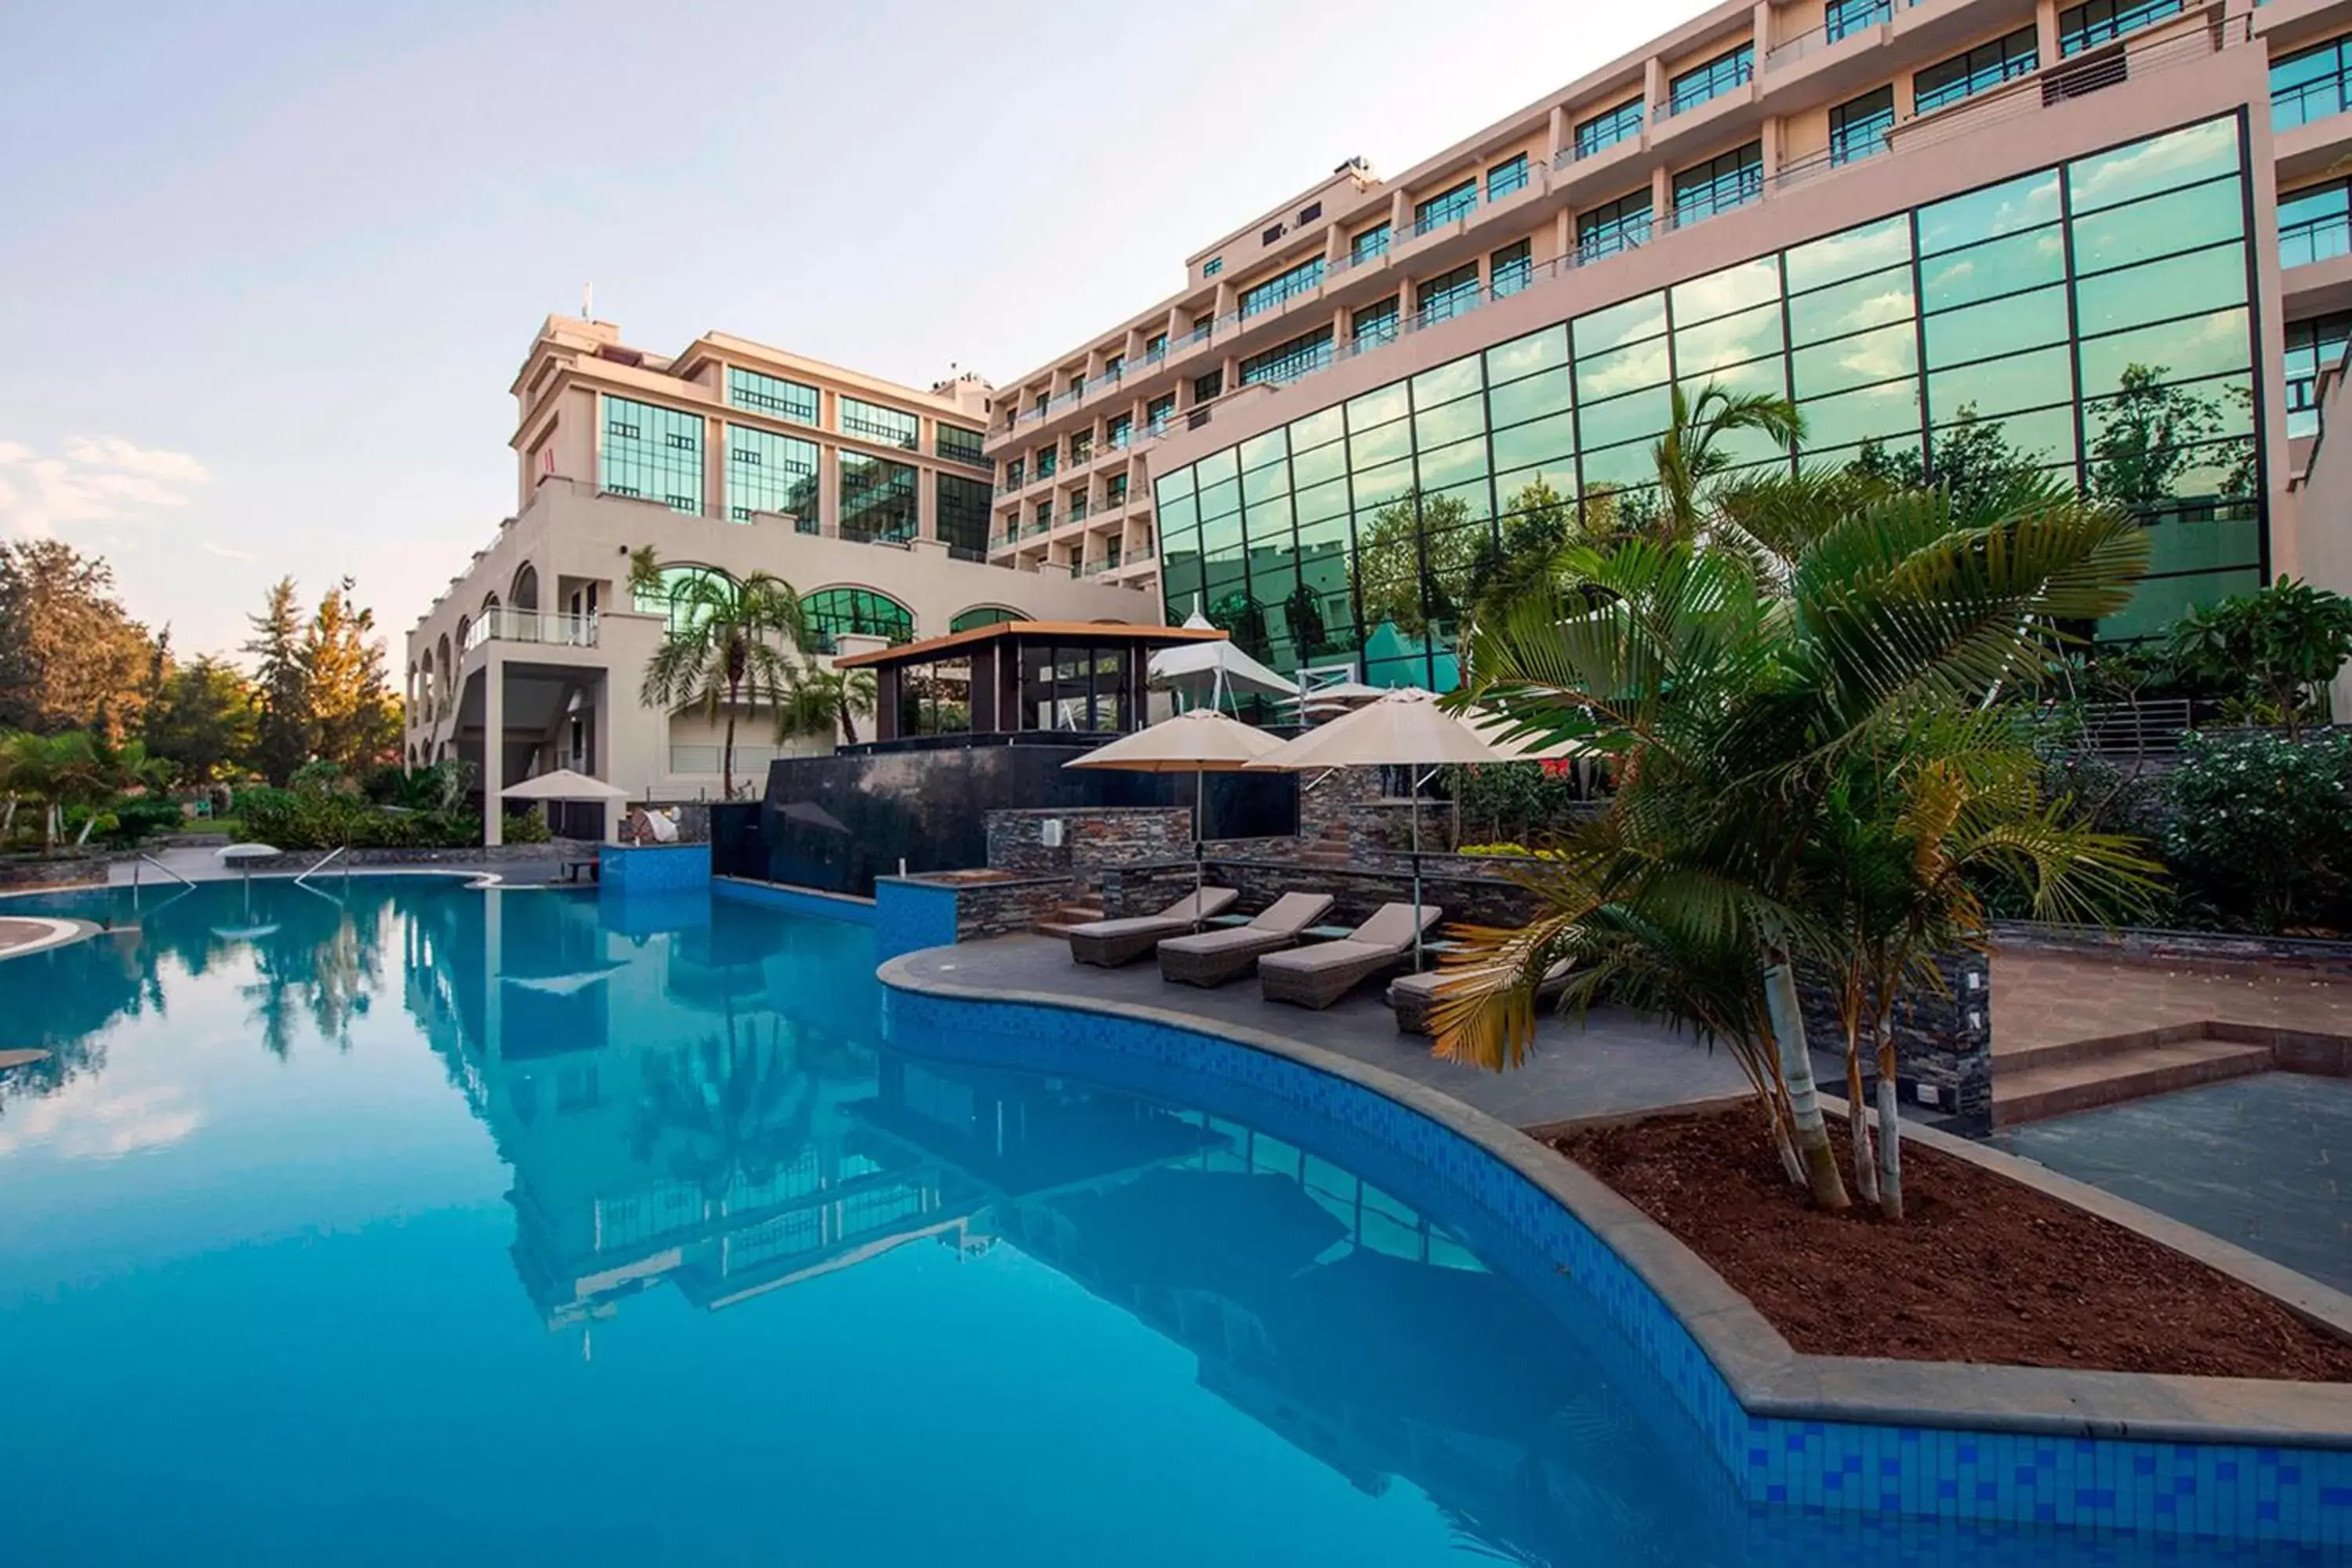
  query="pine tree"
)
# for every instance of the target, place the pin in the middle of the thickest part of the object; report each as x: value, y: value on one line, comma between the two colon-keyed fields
x: 282, y: 741
x: 68, y: 652
x: 352, y: 721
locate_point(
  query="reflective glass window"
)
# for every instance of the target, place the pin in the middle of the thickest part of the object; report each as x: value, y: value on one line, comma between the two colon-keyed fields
x: 890, y: 425
x: 2311, y: 84
x: 772, y: 395
x: 1526, y: 356
x: 768, y: 472
x: 2027, y: 202
x: 1455, y: 378
x: 1622, y: 370
x: 2160, y: 225
x: 1856, y: 305
x: 2314, y: 223
x: 2164, y: 162
x: 1611, y: 226
x: 1998, y: 327
x: 1867, y: 414
x: 2157, y: 291
x: 2185, y: 350
x: 1732, y: 180
x: 1530, y: 397
x: 1628, y: 322
x: 1721, y: 293
x: 1730, y: 69
x: 2096, y: 22
x: 877, y: 499
x: 2028, y: 380
x: 1860, y: 127
x: 1376, y: 407
x: 1833, y: 258
x: 652, y: 452
x: 1608, y: 128
x: 1448, y: 422
x: 1732, y: 340
x: 1854, y: 361
x: 1987, y: 271
x: 1641, y: 414
x: 1970, y: 73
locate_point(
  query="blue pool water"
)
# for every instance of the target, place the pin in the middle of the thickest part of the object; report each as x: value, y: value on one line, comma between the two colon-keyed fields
x: 393, y: 1222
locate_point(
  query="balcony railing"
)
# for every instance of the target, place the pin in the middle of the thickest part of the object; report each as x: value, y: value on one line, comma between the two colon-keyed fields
x: 543, y: 626
x: 2306, y: 101
x: 1835, y: 30
x: 2315, y: 239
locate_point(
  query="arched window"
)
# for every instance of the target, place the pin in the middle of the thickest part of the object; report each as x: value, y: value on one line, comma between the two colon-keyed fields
x: 489, y: 600
x: 524, y: 595
x: 980, y: 616
x: 464, y: 625
x: 834, y: 613
x: 674, y: 598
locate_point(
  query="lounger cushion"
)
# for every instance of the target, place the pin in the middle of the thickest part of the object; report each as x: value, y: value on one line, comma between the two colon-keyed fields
x: 1231, y: 939
x: 1325, y: 957
x: 1393, y: 926
x: 1292, y: 913
x: 1176, y: 915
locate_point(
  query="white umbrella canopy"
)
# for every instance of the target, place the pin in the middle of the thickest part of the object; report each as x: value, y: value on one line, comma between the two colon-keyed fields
x: 1214, y: 668
x: 1200, y: 743
x: 563, y: 783
x: 1196, y: 742
x: 1403, y: 728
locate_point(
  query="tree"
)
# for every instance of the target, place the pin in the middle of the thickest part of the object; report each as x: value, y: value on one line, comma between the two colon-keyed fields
x: 821, y: 701
x: 2279, y: 646
x: 1410, y: 558
x: 725, y: 648
x: 1972, y: 459
x: 70, y: 655
x: 53, y: 772
x: 1523, y: 555
x: 282, y: 736
x: 1691, y: 457
x: 354, y: 724
x: 1242, y: 618
x: 203, y: 720
x: 1733, y: 707
x: 1308, y: 630
x: 2148, y: 437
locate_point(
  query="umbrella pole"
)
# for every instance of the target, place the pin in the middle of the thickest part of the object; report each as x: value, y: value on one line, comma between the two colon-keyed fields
x: 1414, y: 787
x: 1200, y: 879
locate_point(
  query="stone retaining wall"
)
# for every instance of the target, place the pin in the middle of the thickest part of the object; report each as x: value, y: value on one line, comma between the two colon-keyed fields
x: 1091, y: 839
x: 2226, y: 951
x: 1943, y: 1043
x: 1002, y: 909
x: 63, y: 872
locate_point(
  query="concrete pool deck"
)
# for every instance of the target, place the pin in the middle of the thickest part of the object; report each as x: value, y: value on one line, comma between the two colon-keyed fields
x: 1614, y: 1063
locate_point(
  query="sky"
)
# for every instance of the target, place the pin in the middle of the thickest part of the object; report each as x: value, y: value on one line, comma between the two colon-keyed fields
x: 266, y: 271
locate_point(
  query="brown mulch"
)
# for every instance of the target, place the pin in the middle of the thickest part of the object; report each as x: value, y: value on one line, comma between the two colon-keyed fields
x: 1981, y: 1268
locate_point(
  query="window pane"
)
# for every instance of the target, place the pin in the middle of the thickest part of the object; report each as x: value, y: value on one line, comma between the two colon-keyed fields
x: 1446, y: 466
x: 1621, y: 370
x: 1987, y: 271
x: 1316, y: 503
x: 2202, y: 214
x: 1220, y: 499
x: 1851, y: 361
x: 2161, y: 289
x: 1733, y: 340
x: 2221, y: 406
x: 2045, y: 437
x: 1852, y: 306
x: 1540, y: 440
x: 1435, y: 426
x: 1526, y: 356
x: 1633, y: 463
x: 1377, y: 487
x: 1263, y: 484
x: 2002, y: 385
x: 1529, y: 398
x: 1619, y: 324
x: 1376, y: 407
x: 1215, y: 467
x: 1765, y: 376
x: 1446, y: 382
x: 1999, y: 209
x: 1849, y: 255
x: 1322, y: 463
x: 1317, y: 429
x: 1642, y: 415
x: 1512, y: 488
x: 1384, y: 444
x: 1998, y: 327
x: 1260, y: 451
x: 1871, y: 414
x: 2158, y: 164
x: 2185, y: 350
x: 1720, y: 293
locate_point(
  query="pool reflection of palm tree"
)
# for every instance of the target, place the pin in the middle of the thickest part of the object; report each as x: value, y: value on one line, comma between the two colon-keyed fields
x: 322, y: 961
x: 733, y: 1105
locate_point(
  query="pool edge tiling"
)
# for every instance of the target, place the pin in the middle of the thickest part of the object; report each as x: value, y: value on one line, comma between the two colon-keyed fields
x: 2212, y: 1458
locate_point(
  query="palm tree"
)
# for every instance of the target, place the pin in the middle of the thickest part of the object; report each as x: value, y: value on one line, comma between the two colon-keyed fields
x: 725, y: 648
x: 1734, y: 706
x: 821, y: 701
x: 53, y: 772
x: 1690, y: 456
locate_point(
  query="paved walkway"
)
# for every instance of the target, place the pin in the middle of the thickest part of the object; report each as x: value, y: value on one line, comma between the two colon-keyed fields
x: 1612, y: 1063
x: 2056, y: 998
x: 2265, y: 1162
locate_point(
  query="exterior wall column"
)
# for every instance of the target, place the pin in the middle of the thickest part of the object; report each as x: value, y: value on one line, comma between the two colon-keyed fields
x: 828, y: 489
x: 1662, y: 194
x: 1556, y: 135
x: 2045, y: 31
x: 1653, y: 89
x: 494, y: 744
x: 927, y: 501
x: 714, y: 467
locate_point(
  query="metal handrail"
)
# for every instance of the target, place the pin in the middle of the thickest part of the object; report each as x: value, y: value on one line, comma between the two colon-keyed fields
x: 160, y: 867
x: 320, y: 862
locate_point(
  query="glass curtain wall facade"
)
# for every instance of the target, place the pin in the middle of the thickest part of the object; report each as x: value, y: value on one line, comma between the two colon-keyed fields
x: 834, y: 613
x: 877, y: 499
x: 652, y: 452
x: 963, y: 506
x: 768, y: 472
x: 2091, y: 319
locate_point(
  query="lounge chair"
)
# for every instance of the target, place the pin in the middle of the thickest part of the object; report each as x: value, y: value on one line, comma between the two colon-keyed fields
x: 1319, y: 975
x: 1113, y: 942
x: 1214, y: 957
x: 1413, y: 997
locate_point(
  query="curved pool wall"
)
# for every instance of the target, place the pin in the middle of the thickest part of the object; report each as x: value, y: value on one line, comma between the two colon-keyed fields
x: 1929, y: 1471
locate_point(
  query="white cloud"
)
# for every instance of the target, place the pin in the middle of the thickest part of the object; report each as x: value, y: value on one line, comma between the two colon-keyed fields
x: 226, y: 552
x: 99, y: 478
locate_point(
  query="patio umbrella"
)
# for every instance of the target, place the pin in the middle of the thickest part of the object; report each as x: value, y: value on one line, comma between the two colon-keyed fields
x: 1214, y: 666
x: 1200, y: 743
x: 564, y: 784
x: 1405, y: 728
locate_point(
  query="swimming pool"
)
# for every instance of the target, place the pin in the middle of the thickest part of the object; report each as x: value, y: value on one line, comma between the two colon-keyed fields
x: 389, y: 1221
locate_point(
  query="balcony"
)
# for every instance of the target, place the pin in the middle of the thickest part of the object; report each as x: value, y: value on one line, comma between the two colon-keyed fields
x: 542, y: 626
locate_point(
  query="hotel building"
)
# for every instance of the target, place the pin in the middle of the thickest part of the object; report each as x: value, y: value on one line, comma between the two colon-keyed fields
x: 870, y: 498
x: 2115, y: 236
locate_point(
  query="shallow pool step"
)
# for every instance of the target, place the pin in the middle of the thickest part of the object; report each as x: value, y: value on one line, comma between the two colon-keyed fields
x: 2052, y: 1080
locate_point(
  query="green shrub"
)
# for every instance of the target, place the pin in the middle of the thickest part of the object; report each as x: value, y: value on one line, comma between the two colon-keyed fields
x: 1508, y: 801
x: 2259, y: 830
x: 527, y: 828
x: 135, y: 817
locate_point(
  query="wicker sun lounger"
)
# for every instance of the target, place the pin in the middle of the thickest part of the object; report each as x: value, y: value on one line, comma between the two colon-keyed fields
x: 1413, y: 997
x: 1319, y: 975
x: 1112, y: 942
x: 1214, y: 957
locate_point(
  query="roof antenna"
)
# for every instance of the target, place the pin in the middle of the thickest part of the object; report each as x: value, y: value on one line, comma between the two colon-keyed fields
x: 588, y: 301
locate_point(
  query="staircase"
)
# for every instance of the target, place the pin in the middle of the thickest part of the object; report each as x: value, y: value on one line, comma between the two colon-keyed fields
x: 2050, y: 1081
x: 1327, y: 849
x: 1085, y: 908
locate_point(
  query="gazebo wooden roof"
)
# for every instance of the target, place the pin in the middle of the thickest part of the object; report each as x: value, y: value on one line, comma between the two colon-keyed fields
x: 1100, y: 632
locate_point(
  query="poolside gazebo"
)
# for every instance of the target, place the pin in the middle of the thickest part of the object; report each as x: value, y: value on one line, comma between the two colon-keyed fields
x: 1019, y: 678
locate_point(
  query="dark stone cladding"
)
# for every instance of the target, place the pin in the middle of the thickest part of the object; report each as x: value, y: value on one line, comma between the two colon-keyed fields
x: 1943, y: 1039
x: 1001, y: 908
x: 2230, y: 951
x: 1091, y: 837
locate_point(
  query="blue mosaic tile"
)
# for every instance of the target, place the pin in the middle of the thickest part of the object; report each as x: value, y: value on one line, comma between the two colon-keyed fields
x: 2230, y: 1493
